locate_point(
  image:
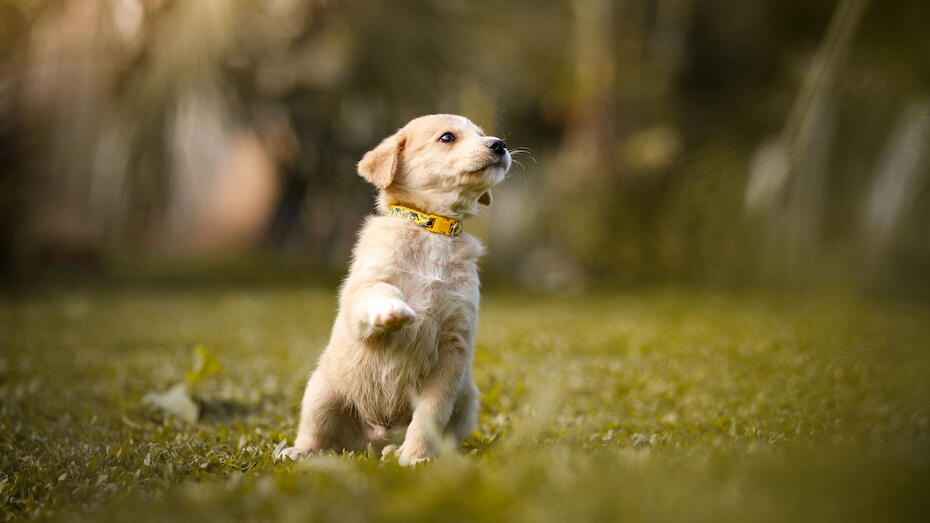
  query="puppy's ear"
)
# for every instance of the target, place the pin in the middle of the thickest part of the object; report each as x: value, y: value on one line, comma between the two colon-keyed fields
x: 485, y: 198
x: 379, y: 165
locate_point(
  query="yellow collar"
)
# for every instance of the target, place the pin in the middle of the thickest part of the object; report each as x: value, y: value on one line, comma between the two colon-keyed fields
x: 430, y: 222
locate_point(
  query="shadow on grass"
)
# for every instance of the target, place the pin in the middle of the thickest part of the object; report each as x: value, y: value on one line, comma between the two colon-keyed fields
x: 222, y: 410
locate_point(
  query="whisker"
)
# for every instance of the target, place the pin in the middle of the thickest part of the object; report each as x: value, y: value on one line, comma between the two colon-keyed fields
x: 521, y: 172
x: 522, y: 151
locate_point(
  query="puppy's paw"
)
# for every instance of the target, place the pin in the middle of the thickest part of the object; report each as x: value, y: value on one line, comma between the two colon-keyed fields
x: 291, y: 453
x: 388, y: 450
x: 409, y: 454
x: 389, y: 314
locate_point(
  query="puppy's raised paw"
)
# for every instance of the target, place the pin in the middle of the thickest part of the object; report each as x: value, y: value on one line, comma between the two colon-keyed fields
x: 389, y: 314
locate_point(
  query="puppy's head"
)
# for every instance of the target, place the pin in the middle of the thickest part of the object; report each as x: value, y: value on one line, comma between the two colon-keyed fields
x: 441, y: 164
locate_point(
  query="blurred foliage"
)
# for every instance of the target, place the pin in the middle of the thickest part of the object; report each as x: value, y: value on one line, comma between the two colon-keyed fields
x: 699, y: 140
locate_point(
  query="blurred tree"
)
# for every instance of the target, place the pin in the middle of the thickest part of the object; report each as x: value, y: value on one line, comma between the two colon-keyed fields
x: 12, y: 27
x: 663, y: 139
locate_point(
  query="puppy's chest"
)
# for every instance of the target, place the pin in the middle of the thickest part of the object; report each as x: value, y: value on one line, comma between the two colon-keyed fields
x: 438, y: 281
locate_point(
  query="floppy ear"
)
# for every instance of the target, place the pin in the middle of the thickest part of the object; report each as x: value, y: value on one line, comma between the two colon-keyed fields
x: 485, y: 198
x: 380, y: 164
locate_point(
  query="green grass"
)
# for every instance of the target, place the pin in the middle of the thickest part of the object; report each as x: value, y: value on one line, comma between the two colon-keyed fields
x: 638, y: 407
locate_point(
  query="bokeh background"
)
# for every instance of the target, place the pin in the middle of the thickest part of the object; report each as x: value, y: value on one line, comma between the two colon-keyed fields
x: 780, y: 143
x: 706, y: 295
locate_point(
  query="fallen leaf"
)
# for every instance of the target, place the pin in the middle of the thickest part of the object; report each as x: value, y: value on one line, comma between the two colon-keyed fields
x: 175, y: 401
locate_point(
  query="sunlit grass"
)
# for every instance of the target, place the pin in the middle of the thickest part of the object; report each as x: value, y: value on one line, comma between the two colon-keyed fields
x: 644, y: 406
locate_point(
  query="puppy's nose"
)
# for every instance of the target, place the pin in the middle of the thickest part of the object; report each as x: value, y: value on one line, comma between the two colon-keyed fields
x: 497, y: 145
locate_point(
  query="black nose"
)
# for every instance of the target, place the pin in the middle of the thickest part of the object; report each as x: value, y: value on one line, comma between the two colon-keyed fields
x: 498, y: 146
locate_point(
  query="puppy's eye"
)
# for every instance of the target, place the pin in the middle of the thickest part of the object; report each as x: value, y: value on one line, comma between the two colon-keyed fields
x: 447, y: 138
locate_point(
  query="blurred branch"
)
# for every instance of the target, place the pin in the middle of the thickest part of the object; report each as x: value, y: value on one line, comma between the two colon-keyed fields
x: 821, y: 77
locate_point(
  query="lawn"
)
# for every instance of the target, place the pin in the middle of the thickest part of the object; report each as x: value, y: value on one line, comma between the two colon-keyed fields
x: 667, y: 405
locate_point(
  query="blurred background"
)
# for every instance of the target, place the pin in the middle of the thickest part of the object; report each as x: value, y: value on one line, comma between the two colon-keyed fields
x: 778, y: 143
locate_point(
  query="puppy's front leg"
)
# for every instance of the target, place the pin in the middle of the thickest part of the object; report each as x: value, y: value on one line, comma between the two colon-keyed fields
x: 434, y: 403
x: 378, y: 309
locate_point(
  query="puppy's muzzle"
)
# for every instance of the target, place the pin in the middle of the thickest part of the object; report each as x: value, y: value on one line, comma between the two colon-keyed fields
x: 498, y: 146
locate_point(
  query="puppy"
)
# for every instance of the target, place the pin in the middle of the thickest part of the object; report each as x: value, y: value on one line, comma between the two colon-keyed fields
x: 400, y: 353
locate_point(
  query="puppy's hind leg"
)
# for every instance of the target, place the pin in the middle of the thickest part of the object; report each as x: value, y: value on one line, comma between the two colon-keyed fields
x: 325, y: 420
x: 464, y: 416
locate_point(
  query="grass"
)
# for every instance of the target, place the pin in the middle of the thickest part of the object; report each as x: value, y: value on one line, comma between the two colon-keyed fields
x: 641, y: 407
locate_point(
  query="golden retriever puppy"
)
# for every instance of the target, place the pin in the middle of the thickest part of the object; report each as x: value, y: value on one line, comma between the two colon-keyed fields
x: 400, y: 353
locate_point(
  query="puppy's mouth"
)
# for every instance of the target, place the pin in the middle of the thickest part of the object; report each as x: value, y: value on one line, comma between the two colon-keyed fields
x: 499, y: 162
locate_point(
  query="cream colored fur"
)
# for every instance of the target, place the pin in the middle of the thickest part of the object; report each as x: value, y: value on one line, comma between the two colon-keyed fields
x: 400, y: 354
